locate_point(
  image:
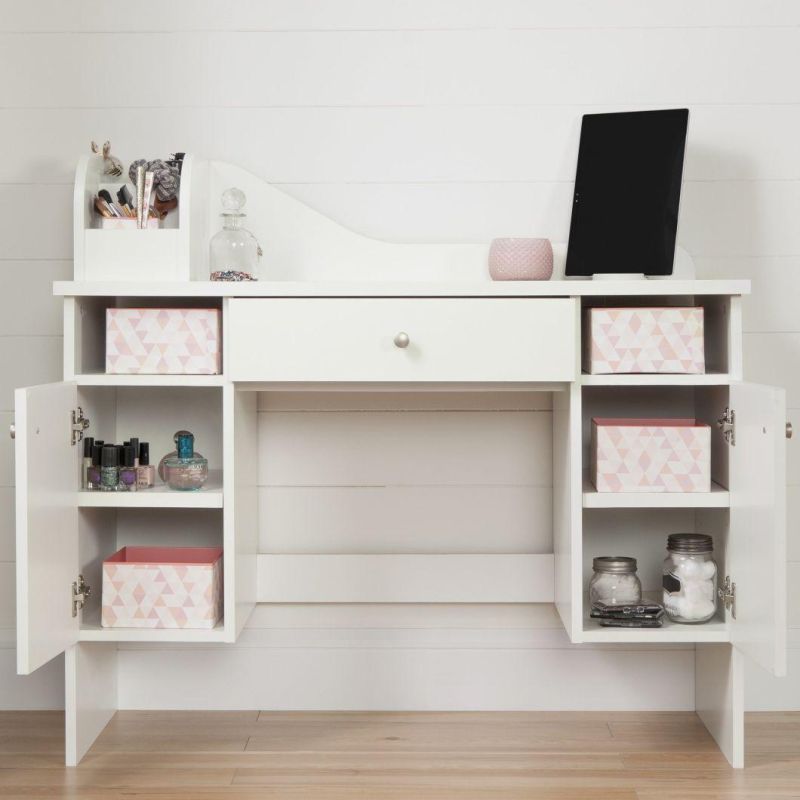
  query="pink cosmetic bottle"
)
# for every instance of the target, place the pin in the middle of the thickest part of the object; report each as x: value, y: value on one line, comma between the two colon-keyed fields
x: 145, y: 471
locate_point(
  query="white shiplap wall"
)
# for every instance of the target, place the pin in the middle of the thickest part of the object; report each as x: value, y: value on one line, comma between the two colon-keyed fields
x: 422, y: 120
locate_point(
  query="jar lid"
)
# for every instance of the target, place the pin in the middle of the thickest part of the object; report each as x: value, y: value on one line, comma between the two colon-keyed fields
x: 619, y: 565
x: 690, y: 543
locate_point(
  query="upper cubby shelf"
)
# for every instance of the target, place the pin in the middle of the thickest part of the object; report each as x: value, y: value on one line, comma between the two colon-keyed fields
x: 106, y: 379
x: 131, y: 254
x: 704, y: 379
x: 306, y: 253
x: 718, y: 497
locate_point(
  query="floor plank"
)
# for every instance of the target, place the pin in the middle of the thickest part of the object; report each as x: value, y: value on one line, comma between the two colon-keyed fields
x: 394, y: 755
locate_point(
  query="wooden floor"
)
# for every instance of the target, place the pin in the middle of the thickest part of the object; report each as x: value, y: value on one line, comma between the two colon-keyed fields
x: 377, y: 756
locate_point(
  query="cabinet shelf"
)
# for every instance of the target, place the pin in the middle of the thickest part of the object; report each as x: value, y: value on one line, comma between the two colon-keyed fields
x: 670, y: 633
x: 104, y: 379
x: 718, y: 497
x: 160, y: 496
x: 92, y: 631
x: 706, y: 379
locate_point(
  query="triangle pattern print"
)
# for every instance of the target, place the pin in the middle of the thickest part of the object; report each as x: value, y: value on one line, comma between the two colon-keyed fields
x: 163, y: 341
x: 645, y: 340
x: 651, y: 458
x: 161, y: 595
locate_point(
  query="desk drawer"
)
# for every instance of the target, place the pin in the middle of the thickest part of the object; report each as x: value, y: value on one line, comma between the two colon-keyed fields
x: 360, y: 340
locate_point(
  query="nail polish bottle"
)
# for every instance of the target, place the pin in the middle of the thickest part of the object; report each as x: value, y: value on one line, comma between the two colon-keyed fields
x: 145, y: 472
x: 109, y: 469
x: 93, y: 471
x: 127, y: 470
x: 135, y: 445
x: 88, y: 444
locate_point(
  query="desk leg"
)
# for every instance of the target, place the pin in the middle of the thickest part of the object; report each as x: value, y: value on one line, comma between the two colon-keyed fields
x: 719, y: 697
x: 90, y: 695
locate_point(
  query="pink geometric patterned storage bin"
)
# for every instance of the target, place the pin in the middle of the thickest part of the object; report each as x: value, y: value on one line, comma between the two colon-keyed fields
x: 163, y: 341
x: 651, y: 455
x: 162, y: 587
x: 628, y: 340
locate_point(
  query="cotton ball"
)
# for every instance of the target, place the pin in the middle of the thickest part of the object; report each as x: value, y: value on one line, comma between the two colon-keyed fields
x: 682, y: 607
x: 672, y: 604
x: 709, y: 570
x: 689, y: 568
x: 699, y: 610
x: 707, y: 609
x: 695, y: 591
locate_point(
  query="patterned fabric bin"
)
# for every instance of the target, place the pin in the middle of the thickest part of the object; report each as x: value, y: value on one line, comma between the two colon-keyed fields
x: 644, y: 340
x: 162, y: 587
x: 163, y: 341
x: 651, y: 455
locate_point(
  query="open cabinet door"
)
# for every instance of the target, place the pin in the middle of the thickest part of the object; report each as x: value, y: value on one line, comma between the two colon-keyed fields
x: 47, y: 471
x: 756, y: 552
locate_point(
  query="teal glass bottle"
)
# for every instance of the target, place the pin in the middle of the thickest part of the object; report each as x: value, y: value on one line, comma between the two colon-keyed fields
x: 186, y: 471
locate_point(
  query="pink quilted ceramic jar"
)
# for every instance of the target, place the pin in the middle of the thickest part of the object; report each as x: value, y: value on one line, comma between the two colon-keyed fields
x: 521, y: 260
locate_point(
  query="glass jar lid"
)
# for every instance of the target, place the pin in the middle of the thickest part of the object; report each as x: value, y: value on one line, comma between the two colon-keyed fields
x: 233, y: 201
x: 690, y: 543
x: 618, y: 565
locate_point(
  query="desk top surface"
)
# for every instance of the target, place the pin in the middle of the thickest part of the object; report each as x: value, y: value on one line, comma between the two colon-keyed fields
x: 562, y: 288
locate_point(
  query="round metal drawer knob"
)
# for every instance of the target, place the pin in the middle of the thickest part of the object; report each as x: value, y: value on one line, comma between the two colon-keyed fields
x: 12, y: 431
x: 401, y: 340
x: 789, y: 430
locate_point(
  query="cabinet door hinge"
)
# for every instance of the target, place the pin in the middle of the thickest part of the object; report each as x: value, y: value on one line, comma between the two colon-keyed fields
x: 727, y: 424
x: 727, y: 593
x: 81, y: 591
x: 79, y: 425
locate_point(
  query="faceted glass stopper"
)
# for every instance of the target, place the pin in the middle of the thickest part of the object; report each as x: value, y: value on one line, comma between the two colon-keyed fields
x: 233, y: 201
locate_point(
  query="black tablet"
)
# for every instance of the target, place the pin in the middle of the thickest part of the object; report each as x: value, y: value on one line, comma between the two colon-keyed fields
x: 627, y: 193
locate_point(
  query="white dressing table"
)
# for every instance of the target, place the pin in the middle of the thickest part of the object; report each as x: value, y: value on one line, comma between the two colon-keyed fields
x: 381, y: 336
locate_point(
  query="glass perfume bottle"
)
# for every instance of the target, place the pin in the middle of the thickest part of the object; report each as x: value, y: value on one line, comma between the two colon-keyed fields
x: 234, y: 251
x: 186, y: 471
x: 162, y: 473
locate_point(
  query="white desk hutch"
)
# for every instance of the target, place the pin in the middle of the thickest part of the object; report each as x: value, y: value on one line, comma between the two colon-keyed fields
x: 296, y: 332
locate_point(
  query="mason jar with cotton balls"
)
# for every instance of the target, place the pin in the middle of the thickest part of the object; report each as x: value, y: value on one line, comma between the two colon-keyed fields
x: 689, y: 578
x: 614, y: 582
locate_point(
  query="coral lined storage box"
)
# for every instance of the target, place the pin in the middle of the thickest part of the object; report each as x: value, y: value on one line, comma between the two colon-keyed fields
x: 162, y: 587
x: 163, y: 341
x: 644, y: 340
x: 651, y: 455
